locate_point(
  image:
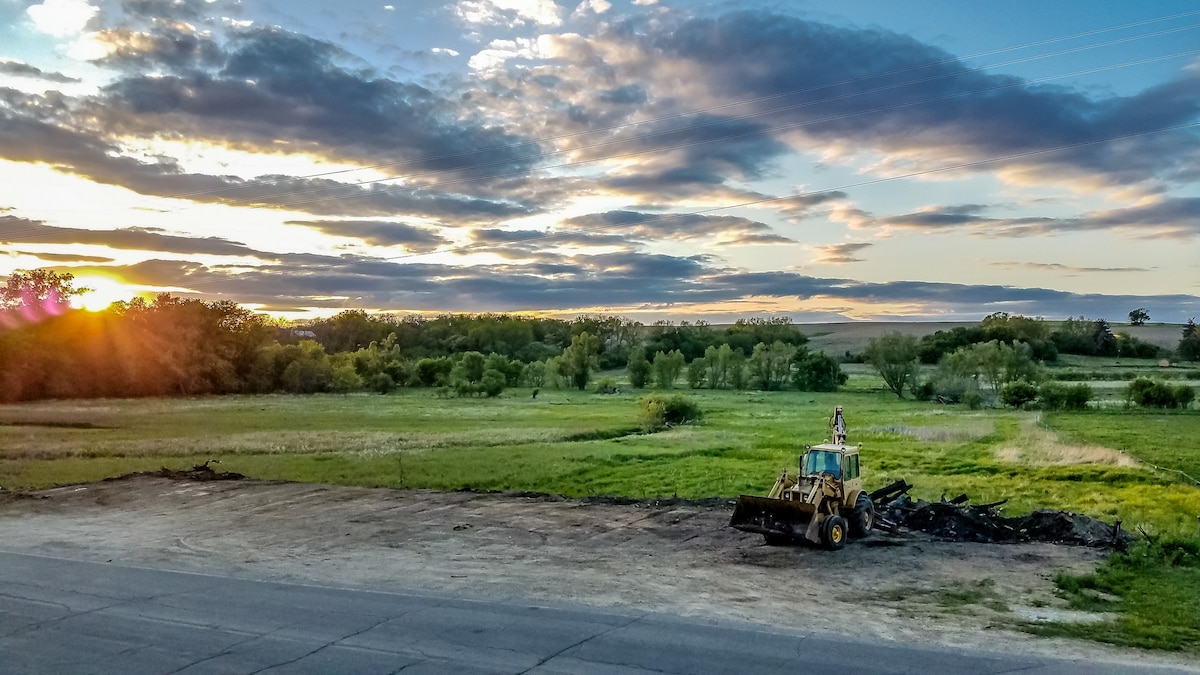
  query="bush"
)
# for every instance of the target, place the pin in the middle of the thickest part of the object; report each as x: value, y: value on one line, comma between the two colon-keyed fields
x: 1018, y: 393
x: 973, y: 400
x: 924, y: 391
x: 658, y: 411
x: 382, y: 383
x: 1078, y: 397
x: 606, y: 385
x: 1151, y: 394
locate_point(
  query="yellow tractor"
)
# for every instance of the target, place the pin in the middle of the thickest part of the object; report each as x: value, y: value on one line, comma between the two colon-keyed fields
x: 823, y: 505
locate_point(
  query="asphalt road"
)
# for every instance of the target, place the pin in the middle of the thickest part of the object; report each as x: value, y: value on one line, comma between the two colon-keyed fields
x: 66, y: 616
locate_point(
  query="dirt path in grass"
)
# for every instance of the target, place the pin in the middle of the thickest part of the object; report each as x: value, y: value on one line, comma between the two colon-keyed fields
x: 680, y: 559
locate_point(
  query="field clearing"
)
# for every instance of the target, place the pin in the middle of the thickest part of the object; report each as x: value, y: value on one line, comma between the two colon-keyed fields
x: 583, y: 444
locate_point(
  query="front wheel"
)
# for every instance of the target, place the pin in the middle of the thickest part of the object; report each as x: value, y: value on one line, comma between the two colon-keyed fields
x: 862, y: 519
x: 833, y: 533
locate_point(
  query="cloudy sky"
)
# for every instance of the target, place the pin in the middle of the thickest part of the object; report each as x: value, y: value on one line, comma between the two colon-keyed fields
x: 926, y: 160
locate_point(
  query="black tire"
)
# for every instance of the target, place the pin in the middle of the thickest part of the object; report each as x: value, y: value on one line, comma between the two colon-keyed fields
x: 834, y: 531
x: 862, y: 518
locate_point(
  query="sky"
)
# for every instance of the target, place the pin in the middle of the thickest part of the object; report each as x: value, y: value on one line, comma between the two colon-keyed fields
x: 933, y: 160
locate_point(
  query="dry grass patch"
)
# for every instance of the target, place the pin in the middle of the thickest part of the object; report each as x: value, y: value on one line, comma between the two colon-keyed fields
x: 1036, y: 445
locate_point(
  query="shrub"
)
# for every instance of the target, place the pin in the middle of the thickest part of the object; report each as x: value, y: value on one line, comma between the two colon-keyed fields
x: 1184, y: 395
x: 1018, y: 393
x: 1078, y: 397
x: 606, y: 385
x: 1151, y: 394
x: 658, y: 411
x: 382, y: 383
x: 1052, y: 396
x: 973, y: 400
x: 924, y: 391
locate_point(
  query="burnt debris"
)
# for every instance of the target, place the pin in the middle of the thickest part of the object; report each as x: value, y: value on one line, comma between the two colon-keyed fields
x: 957, y: 520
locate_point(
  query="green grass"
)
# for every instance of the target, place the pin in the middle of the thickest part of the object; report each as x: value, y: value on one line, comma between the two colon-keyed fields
x: 581, y: 444
x: 1157, y: 591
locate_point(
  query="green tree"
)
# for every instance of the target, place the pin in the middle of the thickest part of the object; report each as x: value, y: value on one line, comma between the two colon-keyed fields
x: 41, y: 291
x: 696, y: 372
x: 814, y: 371
x: 894, y: 356
x: 310, y: 372
x: 667, y: 367
x: 770, y: 365
x: 638, y: 368
x: 579, y: 360
x: 535, y: 374
x: 1189, y: 346
x: 1139, y: 317
x: 1018, y: 393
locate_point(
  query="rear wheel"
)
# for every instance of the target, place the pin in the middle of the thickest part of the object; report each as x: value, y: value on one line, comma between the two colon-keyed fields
x: 833, y: 533
x: 862, y: 519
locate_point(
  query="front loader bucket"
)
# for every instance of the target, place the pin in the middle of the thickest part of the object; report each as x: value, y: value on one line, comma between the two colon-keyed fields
x: 774, y: 517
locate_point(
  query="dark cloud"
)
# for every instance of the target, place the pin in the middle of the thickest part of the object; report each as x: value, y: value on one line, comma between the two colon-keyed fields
x: 17, y: 230
x: 686, y: 226
x: 25, y: 70
x: 65, y: 257
x: 174, y: 48
x: 379, y: 233
x: 1071, y: 270
x: 840, y: 253
x: 619, y: 281
x: 276, y: 84
x: 25, y: 139
x: 1167, y: 218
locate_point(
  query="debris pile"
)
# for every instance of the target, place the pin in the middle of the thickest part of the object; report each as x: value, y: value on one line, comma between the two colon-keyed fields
x: 956, y: 520
x: 198, y: 472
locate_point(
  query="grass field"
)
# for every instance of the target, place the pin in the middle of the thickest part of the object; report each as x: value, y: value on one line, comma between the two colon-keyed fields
x: 579, y: 444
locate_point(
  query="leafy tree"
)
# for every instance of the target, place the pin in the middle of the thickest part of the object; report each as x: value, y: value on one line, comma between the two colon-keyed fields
x: 434, y: 372
x: 718, y: 361
x: 667, y: 367
x: 814, y: 371
x: 638, y: 368
x: 738, y: 375
x: 344, y: 379
x: 492, y: 382
x: 696, y: 372
x: 1103, y: 338
x: 1018, y: 393
x: 894, y: 356
x: 1153, y: 394
x: 770, y: 366
x: 310, y: 372
x: 1139, y: 317
x: 535, y: 374
x: 1189, y: 346
x: 39, y: 293
x: 579, y: 360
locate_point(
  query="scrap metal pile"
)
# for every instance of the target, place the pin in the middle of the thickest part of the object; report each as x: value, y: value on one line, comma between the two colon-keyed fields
x: 956, y: 520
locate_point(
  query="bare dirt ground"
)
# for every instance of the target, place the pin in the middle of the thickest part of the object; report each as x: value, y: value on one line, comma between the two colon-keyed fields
x: 674, y: 558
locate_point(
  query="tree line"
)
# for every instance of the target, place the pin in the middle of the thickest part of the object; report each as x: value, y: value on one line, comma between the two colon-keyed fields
x: 178, y: 346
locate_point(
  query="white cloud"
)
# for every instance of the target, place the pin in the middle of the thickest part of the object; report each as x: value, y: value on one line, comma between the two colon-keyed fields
x: 645, y: 2
x: 390, y: 8
x: 500, y: 51
x: 509, y: 12
x: 443, y: 51
x: 62, y: 18
x: 597, y: 6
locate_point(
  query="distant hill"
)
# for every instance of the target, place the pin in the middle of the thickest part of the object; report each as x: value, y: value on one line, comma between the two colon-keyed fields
x: 836, y: 339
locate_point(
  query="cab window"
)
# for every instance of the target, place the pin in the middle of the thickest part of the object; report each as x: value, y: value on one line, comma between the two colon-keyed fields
x: 852, y: 467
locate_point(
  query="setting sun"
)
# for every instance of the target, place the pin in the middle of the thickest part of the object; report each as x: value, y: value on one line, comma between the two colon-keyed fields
x: 104, y: 292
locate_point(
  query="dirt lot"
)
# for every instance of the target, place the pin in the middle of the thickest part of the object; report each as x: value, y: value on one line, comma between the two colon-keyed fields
x: 675, y: 558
